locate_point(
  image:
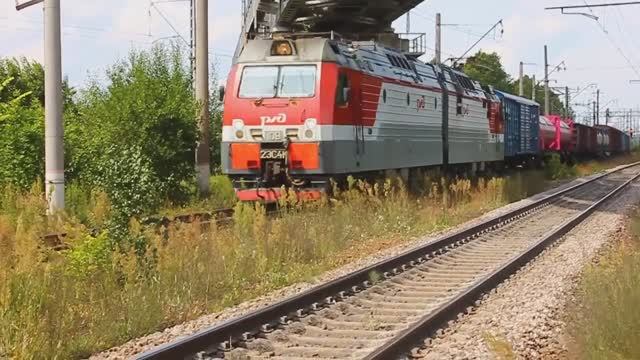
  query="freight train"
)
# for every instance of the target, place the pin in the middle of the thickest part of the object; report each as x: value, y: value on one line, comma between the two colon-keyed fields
x: 303, y: 110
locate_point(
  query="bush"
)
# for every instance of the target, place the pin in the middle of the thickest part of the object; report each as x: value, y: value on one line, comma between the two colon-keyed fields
x: 21, y: 140
x: 130, y: 181
x: 29, y: 79
x: 555, y: 169
x: 135, y: 137
x: 91, y: 255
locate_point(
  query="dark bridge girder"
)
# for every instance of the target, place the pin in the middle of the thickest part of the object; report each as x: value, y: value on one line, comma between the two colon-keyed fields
x: 353, y: 18
x: 348, y: 16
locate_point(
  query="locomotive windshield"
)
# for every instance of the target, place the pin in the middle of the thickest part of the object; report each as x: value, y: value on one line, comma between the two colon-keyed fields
x: 283, y: 81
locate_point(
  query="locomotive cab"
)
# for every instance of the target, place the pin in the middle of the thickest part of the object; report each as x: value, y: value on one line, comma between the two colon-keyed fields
x: 274, y: 112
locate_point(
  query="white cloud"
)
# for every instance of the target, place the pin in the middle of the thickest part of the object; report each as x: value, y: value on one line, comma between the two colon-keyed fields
x: 98, y: 32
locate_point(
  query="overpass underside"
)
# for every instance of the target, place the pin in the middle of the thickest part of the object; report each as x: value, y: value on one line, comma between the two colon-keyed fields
x: 343, y: 15
x: 353, y: 18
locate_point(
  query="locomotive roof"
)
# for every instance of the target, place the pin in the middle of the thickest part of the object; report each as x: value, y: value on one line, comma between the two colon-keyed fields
x: 369, y: 57
x: 308, y: 49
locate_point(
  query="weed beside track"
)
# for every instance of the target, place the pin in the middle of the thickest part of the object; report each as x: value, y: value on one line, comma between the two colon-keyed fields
x: 605, y: 321
x: 73, y: 303
x: 76, y: 302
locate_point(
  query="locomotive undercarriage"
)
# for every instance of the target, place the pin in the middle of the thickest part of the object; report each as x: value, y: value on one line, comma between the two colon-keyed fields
x: 266, y: 185
x: 274, y: 174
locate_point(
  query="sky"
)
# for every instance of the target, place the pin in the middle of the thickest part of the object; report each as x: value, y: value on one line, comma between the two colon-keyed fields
x: 97, y: 33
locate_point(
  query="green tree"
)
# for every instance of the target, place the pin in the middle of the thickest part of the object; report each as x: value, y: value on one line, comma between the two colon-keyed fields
x: 21, y: 139
x: 556, y: 102
x: 28, y: 79
x: 135, y: 136
x: 488, y: 70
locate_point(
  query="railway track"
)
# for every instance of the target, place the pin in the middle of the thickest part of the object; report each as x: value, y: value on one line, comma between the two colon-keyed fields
x: 382, y: 311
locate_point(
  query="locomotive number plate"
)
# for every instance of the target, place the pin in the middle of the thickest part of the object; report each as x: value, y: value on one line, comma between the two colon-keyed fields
x: 273, y: 136
x: 273, y: 154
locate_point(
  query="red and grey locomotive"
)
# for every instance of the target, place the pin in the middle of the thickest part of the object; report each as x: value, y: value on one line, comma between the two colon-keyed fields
x: 301, y: 110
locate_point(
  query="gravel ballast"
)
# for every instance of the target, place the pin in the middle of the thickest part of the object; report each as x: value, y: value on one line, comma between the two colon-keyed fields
x: 151, y: 341
x: 524, y: 317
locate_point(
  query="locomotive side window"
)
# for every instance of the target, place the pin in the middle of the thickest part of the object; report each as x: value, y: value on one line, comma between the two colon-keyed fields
x: 342, y: 90
x: 278, y: 81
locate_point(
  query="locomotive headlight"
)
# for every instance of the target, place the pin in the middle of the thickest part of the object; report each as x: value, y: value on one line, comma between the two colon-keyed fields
x: 238, y: 126
x: 281, y: 48
x: 310, y: 125
x: 308, y: 134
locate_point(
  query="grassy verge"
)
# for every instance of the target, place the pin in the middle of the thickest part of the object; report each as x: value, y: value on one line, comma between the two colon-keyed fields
x: 221, y: 196
x: 99, y: 294
x: 74, y: 303
x: 606, y: 321
x: 592, y: 167
x: 556, y: 170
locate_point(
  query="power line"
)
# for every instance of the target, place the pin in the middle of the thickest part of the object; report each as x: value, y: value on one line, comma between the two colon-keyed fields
x: 454, y: 27
x: 65, y: 33
x: 78, y: 27
x: 601, y: 68
x: 95, y: 35
x: 592, y: 6
x: 162, y: 15
x: 477, y: 42
x: 611, y: 40
x: 624, y: 31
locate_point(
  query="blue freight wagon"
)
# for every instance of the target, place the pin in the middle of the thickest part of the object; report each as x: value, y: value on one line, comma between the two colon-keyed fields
x: 522, y: 128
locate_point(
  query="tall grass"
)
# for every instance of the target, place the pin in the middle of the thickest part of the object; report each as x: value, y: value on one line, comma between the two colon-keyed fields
x: 221, y: 195
x: 606, y: 322
x: 555, y: 169
x: 591, y: 167
x: 73, y: 303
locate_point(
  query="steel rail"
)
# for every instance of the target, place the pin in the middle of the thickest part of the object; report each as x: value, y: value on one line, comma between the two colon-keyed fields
x: 433, y: 321
x: 265, y: 319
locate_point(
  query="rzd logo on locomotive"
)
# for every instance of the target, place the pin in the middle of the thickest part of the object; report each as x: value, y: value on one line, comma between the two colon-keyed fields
x: 276, y: 119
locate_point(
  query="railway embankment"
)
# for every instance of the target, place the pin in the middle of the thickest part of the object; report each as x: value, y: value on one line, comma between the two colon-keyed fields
x: 92, y: 296
x: 356, y: 257
x: 554, y: 309
x: 602, y: 315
